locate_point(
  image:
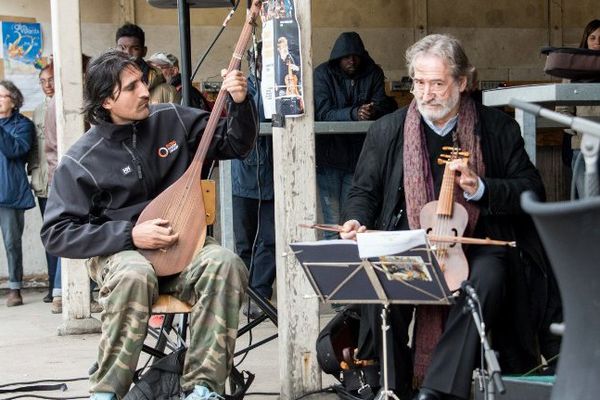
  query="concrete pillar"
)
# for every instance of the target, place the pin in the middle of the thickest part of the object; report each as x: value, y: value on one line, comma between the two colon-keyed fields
x: 66, y: 46
x: 295, y: 203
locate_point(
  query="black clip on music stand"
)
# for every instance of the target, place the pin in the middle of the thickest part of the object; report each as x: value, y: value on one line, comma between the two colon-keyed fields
x: 339, y: 275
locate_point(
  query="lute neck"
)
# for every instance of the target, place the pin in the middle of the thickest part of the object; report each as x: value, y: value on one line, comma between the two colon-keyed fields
x: 217, y: 110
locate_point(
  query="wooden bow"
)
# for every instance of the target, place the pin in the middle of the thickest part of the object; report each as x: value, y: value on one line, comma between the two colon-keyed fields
x: 432, y: 238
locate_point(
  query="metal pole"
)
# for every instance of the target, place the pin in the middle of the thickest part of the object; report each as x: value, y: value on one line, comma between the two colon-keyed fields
x: 183, y: 11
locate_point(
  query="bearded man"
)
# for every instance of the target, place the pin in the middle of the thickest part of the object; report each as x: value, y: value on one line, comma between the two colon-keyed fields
x: 397, y: 174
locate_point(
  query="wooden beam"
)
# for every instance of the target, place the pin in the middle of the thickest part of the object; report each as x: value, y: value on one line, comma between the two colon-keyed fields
x: 295, y: 203
x: 66, y: 47
x: 555, y: 22
x: 126, y: 11
x: 420, y: 19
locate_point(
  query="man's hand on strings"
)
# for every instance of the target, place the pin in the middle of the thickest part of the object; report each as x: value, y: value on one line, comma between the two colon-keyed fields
x: 236, y: 84
x: 466, y: 178
x: 154, y: 234
x: 351, y: 228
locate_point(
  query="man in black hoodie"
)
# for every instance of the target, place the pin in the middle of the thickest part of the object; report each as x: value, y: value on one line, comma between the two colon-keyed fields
x: 348, y: 87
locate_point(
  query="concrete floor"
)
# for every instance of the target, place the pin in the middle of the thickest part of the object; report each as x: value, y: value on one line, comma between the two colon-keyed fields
x: 30, y: 349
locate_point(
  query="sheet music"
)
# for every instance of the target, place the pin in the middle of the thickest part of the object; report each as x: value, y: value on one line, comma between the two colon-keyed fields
x: 377, y: 244
x: 409, y: 275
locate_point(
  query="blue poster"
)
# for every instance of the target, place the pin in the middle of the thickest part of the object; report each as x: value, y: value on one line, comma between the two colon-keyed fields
x: 22, y: 42
x: 22, y: 50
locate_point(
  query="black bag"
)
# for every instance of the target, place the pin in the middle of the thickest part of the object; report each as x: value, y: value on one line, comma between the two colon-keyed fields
x: 340, y: 333
x: 336, y: 344
x: 161, y: 381
x: 579, y: 65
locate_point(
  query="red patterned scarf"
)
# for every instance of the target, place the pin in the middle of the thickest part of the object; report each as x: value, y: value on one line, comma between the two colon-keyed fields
x: 418, y: 185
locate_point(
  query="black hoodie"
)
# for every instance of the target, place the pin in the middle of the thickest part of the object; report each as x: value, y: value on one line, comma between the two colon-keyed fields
x: 338, y: 97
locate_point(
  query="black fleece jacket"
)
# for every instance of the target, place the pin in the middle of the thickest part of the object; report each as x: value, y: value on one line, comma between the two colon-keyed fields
x: 109, y: 175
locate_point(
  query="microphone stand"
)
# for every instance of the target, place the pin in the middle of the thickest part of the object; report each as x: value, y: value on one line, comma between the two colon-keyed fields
x: 385, y: 393
x: 492, y: 378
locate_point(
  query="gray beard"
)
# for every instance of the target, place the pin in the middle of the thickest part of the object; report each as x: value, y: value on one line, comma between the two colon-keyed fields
x: 440, y: 113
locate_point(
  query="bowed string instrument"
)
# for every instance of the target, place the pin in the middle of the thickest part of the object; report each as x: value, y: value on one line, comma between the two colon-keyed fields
x: 444, y: 221
x: 182, y: 203
x: 446, y: 218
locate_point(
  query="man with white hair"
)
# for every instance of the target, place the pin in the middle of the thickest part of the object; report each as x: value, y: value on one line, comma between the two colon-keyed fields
x: 397, y: 174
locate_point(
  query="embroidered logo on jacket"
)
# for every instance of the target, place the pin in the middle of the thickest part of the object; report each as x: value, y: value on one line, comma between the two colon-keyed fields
x: 126, y: 170
x: 168, y: 149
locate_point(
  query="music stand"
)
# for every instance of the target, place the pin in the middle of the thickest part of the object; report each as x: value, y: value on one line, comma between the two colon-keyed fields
x: 338, y: 274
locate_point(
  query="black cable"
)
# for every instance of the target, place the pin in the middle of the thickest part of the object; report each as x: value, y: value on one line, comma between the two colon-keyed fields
x: 34, y: 387
x: 21, y: 396
x: 253, y: 251
x: 262, y: 394
x: 227, y: 19
x: 329, y: 389
x: 44, y: 380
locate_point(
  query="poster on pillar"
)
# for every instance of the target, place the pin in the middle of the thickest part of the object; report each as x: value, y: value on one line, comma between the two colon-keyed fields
x: 22, y: 50
x: 281, y: 88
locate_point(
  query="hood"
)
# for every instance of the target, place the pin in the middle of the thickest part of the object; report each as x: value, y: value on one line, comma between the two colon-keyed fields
x: 349, y: 43
x: 346, y: 44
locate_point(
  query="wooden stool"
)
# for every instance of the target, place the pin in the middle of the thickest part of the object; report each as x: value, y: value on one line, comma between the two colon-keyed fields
x: 169, y: 306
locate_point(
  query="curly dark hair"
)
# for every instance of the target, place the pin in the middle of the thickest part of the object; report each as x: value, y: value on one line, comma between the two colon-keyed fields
x: 15, y: 94
x: 103, y: 76
x: 131, y: 30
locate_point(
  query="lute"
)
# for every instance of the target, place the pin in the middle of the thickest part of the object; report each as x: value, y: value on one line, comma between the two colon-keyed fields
x: 182, y: 203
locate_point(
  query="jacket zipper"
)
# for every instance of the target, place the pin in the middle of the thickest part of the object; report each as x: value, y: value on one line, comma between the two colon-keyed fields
x: 135, y: 159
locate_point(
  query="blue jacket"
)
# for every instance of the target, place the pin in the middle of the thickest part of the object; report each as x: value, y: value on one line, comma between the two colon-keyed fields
x: 16, y: 135
x: 258, y: 164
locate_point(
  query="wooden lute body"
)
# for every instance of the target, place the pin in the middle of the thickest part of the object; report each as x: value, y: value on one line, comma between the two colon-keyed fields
x: 182, y: 203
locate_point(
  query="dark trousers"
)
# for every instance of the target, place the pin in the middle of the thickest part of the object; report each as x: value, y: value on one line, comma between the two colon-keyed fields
x: 51, y: 261
x: 457, y: 353
x: 399, y: 355
x: 250, y: 223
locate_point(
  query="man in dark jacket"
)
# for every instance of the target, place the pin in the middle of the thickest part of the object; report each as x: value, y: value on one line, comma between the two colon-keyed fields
x: 348, y: 87
x: 17, y: 133
x: 132, y: 153
x: 253, y: 201
x: 397, y: 175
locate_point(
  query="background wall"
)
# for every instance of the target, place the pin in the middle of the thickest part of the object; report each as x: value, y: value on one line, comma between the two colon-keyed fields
x: 503, y: 40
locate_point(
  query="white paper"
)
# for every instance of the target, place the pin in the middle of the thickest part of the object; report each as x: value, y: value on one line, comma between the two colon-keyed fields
x: 377, y: 244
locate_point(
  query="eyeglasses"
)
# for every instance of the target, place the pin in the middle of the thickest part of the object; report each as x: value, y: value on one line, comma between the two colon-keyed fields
x: 49, y: 81
x: 436, y: 87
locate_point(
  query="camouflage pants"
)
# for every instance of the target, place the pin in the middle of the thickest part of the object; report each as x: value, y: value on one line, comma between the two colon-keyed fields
x: 214, y: 283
